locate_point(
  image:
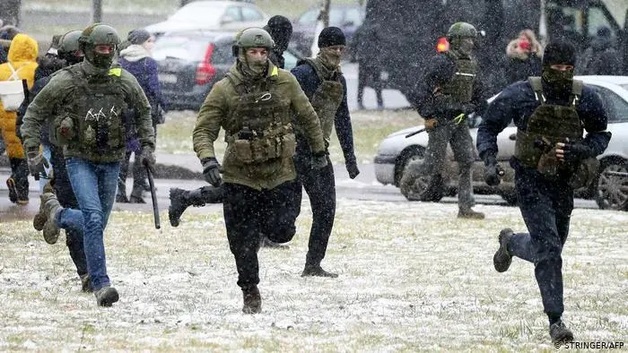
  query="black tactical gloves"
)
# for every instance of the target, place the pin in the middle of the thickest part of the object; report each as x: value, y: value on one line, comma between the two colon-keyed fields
x: 352, y: 168
x: 147, y: 158
x: 211, y: 171
x: 573, y: 152
x: 37, y: 163
x: 493, y: 172
x: 319, y: 160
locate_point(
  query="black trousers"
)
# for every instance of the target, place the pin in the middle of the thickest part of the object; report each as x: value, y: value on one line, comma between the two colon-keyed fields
x: 249, y: 214
x: 65, y: 195
x: 320, y: 185
x: 369, y: 74
x: 546, y: 207
x: 139, y: 175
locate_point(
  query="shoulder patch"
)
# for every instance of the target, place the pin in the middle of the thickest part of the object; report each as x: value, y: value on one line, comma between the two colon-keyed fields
x: 115, y: 71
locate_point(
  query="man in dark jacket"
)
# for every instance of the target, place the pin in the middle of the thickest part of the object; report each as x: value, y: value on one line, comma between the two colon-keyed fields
x: 326, y: 88
x: 551, y: 160
x: 601, y: 58
x: 449, y: 92
x: 280, y: 29
x: 365, y: 43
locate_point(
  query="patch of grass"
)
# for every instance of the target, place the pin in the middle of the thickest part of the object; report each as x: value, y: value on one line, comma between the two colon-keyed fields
x: 369, y: 128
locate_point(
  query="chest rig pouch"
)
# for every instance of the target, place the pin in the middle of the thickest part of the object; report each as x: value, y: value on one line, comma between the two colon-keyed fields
x: 325, y: 101
x: 460, y: 87
x: 93, y: 117
x: 548, y: 125
x: 264, y: 130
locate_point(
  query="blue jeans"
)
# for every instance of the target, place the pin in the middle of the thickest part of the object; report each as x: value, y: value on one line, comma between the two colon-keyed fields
x: 94, y: 186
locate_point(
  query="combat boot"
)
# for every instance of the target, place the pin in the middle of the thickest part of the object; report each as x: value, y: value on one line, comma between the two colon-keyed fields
x: 502, y: 258
x: 86, y: 284
x: 317, y: 271
x: 106, y: 296
x: 40, y: 218
x: 252, y: 301
x: 51, y: 208
x: 560, y: 334
x: 12, y: 190
x: 136, y: 194
x: 180, y: 200
x: 469, y: 213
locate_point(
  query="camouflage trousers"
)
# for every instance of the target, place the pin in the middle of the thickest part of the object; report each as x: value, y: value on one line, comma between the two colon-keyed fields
x: 423, y: 179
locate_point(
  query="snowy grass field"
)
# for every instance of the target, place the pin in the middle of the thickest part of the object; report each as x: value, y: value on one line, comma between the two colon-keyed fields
x: 412, y: 278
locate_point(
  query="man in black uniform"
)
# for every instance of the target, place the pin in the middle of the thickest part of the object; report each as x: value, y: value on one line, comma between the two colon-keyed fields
x: 325, y: 86
x: 551, y: 160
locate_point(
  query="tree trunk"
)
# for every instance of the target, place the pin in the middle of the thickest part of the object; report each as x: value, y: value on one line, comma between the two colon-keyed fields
x: 96, y: 11
x: 325, y: 13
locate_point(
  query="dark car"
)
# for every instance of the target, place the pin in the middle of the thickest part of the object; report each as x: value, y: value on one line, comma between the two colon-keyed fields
x: 190, y: 62
x: 346, y: 17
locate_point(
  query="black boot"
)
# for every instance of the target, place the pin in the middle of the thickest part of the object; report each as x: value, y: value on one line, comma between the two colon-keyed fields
x: 317, y: 271
x: 560, y: 334
x: 18, y: 180
x: 252, y: 301
x: 502, y: 257
x: 181, y: 199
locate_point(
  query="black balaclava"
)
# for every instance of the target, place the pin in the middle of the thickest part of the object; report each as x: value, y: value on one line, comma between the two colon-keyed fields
x: 557, y: 84
x: 280, y: 29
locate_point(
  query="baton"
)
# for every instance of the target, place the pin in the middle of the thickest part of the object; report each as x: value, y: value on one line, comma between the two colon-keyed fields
x: 153, y: 195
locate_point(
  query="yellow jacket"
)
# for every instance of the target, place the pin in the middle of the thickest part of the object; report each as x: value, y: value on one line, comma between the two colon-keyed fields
x: 23, y: 57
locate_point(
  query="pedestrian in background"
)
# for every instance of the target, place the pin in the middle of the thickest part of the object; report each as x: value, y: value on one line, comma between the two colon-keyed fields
x: 365, y: 42
x: 21, y: 65
x: 136, y: 59
x: 523, y: 57
x: 601, y: 57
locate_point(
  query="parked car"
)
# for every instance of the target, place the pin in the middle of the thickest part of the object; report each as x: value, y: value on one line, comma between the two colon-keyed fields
x: 214, y: 15
x: 190, y: 62
x: 346, y: 17
x: 609, y: 191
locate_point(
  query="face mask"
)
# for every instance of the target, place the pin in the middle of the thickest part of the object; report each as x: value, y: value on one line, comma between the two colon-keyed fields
x: 466, y: 46
x: 330, y: 58
x: 253, y: 67
x: 556, y: 78
x: 100, y: 60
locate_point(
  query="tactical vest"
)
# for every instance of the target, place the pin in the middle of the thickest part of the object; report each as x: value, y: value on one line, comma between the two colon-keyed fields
x: 326, y: 100
x: 460, y: 87
x: 264, y: 130
x: 93, y: 117
x: 548, y: 125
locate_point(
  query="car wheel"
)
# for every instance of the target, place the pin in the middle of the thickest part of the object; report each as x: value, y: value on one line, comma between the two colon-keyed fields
x: 406, y: 157
x: 612, y: 185
x: 510, y: 198
x: 417, y: 188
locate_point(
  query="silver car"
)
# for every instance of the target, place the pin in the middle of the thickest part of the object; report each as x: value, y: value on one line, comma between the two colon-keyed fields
x: 609, y: 191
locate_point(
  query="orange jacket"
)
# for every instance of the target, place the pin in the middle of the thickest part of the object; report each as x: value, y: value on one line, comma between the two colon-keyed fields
x: 23, y: 57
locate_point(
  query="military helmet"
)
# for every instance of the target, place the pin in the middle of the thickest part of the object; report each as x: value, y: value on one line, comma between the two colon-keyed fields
x: 462, y: 30
x: 98, y: 34
x: 69, y: 42
x: 254, y: 38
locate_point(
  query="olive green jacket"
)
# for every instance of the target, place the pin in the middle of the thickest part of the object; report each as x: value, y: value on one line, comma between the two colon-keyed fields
x: 61, y: 89
x: 217, y: 111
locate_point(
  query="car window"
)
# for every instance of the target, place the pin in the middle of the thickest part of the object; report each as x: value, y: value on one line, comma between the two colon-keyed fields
x: 249, y: 14
x: 336, y: 17
x: 290, y: 60
x: 309, y: 17
x: 222, y: 54
x: 180, y: 47
x: 618, y: 105
x: 353, y: 16
x: 233, y: 13
x: 196, y: 15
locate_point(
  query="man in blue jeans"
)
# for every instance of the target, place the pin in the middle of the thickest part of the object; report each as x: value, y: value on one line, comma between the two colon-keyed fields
x: 86, y: 103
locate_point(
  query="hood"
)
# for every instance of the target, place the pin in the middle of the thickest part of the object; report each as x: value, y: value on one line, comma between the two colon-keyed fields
x: 134, y: 52
x: 23, y: 48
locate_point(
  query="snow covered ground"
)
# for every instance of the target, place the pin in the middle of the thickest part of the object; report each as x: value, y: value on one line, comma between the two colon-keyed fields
x: 412, y: 278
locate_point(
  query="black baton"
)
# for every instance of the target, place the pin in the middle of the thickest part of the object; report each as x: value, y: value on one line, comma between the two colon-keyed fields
x: 153, y: 195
